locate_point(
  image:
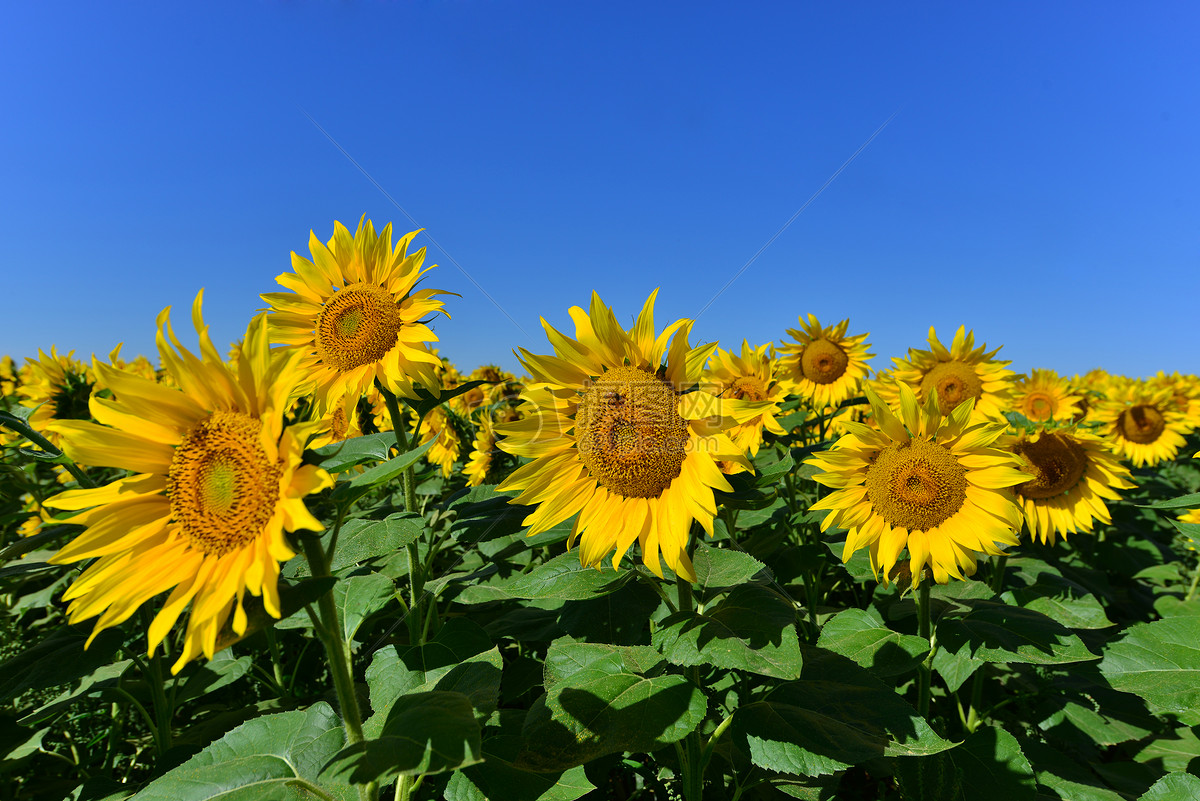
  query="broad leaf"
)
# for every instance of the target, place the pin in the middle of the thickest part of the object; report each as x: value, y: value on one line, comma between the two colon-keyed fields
x: 987, y: 766
x: 597, y: 704
x: 1159, y: 662
x: 390, y: 469
x: 362, y: 540
x: 717, y: 568
x: 58, y: 659
x: 271, y: 757
x: 338, y: 456
x: 460, y: 658
x: 1174, y: 787
x: 358, y: 597
x: 424, y: 733
x: 999, y: 632
x: 860, y: 635
x: 750, y: 629
x: 497, y: 779
x: 836, y: 716
x: 560, y: 579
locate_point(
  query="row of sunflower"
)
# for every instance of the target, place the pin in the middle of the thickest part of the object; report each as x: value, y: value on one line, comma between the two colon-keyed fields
x: 192, y: 487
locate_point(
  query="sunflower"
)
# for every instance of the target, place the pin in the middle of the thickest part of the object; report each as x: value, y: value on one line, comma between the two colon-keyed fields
x: 483, y: 451
x: 1043, y: 396
x: 622, y: 439
x: 1073, y: 475
x: 438, y: 427
x: 1192, y: 517
x: 352, y: 311
x: 930, y: 483
x: 9, y: 379
x: 823, y: 365
x: 1142, y: 425
x: 59, y: 386
x: 217, y: 480
x: 962, y: 372
x: 753, y: 376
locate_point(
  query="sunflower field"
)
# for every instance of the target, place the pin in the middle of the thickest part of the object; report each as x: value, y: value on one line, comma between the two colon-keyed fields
x: 325, y: 563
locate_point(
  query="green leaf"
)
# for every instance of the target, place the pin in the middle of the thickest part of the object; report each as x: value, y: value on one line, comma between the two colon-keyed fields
x: 497, y: 779
x: 861, y: 635
x: 1159, y: 662
x: 272, y: 757
x: 955, y: 667
x: 1182, y: 502
x: 387, y: 471
x: 1174, y: 787
x: 560, y: 579
x: 1180, y: 751
x: 338, y: 456
x: 58, y: 659
x: 460, y: 658
x: 206, y: 677
x: 359, y: 597
x: 1000, y: 632
x: 1065, y: 775
x: 619, y: 618
x: 424, y: 733
x: 752, y: 628
x: 363, y: 540
x: 987, y: 766
x: 103, y: 678
x: 596, y: 704
x: 993, y: 768
x: 427, y: 401
x: 836, y: 716
x: 718, y: 568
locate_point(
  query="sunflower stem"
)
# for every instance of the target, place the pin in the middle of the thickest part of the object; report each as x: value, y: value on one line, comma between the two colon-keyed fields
x: 693, y: 764
x: 337, y: 649
x: 1191, y: 593
x: 974, y: 717
x: 923, y: 631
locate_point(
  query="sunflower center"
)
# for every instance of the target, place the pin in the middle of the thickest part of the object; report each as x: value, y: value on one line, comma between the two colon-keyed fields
x: 357, y: 326
x: 823, y: 362
x: 1142, y: 424
x: 954, y: 382
x: 916, y: 485
x: 1057, y: 463
x: 629, y: 432
x: 748, y: 387
x: 1039, y: 406
x: 222, y: 486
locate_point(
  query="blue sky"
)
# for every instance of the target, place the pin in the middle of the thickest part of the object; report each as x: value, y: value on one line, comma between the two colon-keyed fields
x: 1039, y: 182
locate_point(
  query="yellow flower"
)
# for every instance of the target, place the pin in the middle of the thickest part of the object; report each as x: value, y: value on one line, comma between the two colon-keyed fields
x: 8, y: 377
x: 217, y: 480
x: 960, y: 373
x: 1141, y: 424
x: 1073, y: 475
x: 1043, y: 396
x: 930, y: 483
x: 620, y: 436
x: 438, y: 426
x: 753, y: 376
x: 354, y: 315
x: 483, y: 450
x: 59, y: 386
x: 823, y: 365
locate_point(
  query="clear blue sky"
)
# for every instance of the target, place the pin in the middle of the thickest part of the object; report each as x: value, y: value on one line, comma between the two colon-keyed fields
x: 1040, y: 182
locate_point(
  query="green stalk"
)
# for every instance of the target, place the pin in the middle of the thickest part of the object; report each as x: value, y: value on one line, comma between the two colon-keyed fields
x: 974, y: 717
x: 337, y: 649
x: 692, y: 766
x: 923, y: 631
x: 416, y: 570
x: 1191, y: 593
